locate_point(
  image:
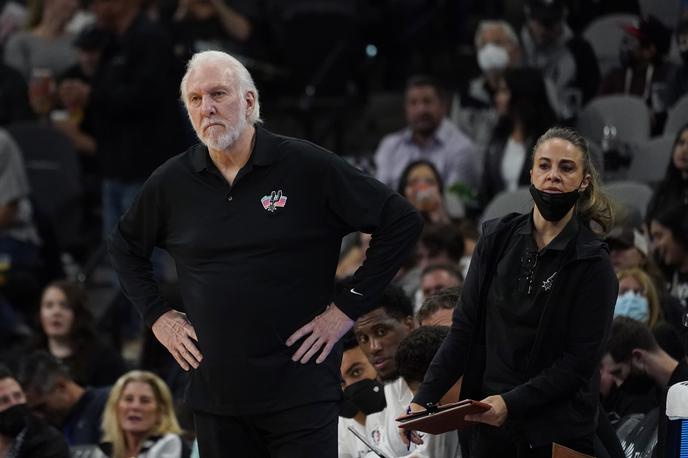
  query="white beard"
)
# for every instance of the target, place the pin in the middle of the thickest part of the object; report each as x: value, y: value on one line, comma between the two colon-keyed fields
x: 226, y: 139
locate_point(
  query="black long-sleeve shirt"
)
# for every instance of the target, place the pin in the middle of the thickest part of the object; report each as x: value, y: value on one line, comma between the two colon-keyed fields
x: 250, y: 273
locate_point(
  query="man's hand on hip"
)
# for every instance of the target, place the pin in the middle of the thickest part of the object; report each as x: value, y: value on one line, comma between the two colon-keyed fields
x: 325, y: 330
x: 175, y: 332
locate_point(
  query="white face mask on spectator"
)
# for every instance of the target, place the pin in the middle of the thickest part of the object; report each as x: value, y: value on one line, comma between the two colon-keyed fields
x: 492, y: 57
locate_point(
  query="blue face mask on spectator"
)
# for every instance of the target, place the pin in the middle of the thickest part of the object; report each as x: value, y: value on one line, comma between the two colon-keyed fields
x: 633, y: 306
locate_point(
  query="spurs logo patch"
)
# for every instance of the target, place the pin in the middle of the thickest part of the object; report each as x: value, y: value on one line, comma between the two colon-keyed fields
x: 274, y: 201
x: 547, y: 284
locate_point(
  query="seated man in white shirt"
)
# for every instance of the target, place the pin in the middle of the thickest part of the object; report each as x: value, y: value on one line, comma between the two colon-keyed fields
x: 413, y: 357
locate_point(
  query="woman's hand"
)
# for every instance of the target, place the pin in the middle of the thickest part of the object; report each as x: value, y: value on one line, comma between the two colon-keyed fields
x: 496, y: 416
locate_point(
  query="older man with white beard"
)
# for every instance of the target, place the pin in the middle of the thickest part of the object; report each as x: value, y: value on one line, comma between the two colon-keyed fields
x: 254, y: 222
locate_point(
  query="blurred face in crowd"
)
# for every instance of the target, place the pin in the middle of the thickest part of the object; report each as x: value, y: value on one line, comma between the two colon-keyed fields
x: 108, y: 12
x: 424, y: 110
x: 379, y: 335
x: 11, y: 393
x: 426, y: 258
x: 356, y: 367
x: 137, y: 409
x: 63, y: 10
x: 422, y: 187
x: 441, y: 317
x: 545, y: 34
x: 53, y: 406
x: 558, y: 167
x: 56, y: 315
x: 680, y: 155
x: 437, y: 280
x: 612, y: 374
x: 217, y: 109
x: 666, y: 247
x: 625, y: 257
x: 497, y: 35
x: 630, y: 283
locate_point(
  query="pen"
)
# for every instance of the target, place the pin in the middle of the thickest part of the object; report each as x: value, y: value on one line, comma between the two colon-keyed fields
x: 408, y: 431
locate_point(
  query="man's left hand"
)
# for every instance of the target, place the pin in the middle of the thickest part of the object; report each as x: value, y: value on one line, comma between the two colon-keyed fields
x: 325, y: 330
x: 496, y: 416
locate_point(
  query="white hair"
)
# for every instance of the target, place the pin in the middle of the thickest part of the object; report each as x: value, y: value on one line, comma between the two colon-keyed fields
x: 486, y: 24
x: 240, y: 76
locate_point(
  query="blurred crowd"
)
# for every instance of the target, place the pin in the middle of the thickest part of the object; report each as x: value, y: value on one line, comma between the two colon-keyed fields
x: 437, y: 99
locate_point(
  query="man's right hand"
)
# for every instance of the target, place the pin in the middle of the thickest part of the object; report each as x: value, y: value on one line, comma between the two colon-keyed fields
x: 175, y: 332
x: 409, y: 435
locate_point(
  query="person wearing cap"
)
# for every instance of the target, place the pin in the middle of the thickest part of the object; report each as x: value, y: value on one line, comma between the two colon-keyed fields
x: 628, y: 247
x: 633, y: 350
x: 567, y: 60
x: 644, y: 71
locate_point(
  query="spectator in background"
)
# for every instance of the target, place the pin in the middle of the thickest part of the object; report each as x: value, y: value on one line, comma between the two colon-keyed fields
x: 669, y: 231
x: 678, y: 86
x: 43, y: 51
x: 21, y: 268
x: 53, y: 395
x: 139, y: 420
x: 413, y: 358
x: 525, y: 113
x: 362, y: 396
x: 644, y: 70
x: 497, y: 48
x: 429, y: 135
x: 21, y: 434
x: 199, y: 25
x: 633, y: 351
x: 14, y: 96
x: 67, y: 332
x: 437, y: 277
x: 567, y: 61
x: 379, y: 331
x: 438, y: 308
x: 637, y: 297
x: 440, y: 244
x: 137, y: 121
x: 673, y: 189
x: 422, y: 185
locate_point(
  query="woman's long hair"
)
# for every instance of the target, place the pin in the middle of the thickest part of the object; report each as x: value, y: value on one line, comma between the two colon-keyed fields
x: 593, y: 205
x: 671, y: 184
x: 529, y: 103
x: 167, y: 420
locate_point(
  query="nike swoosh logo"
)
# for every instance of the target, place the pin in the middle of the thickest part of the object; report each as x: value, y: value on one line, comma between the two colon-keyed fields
x: 353, y: 291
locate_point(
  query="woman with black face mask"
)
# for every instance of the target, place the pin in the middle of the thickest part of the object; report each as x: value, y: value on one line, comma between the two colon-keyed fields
x: 534, y: 315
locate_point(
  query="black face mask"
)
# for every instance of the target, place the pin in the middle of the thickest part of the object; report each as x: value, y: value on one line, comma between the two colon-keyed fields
x: 367, y: 396
x: 13, y: 420
x: 554, y: 206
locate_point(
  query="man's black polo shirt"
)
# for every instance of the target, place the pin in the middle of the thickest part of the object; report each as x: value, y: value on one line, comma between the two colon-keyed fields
x: 257, y: 260
x: 517, y: 295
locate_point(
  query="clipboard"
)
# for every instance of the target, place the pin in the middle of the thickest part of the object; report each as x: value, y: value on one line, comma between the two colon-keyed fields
x: 441, y: 419
x: 372, y: 448
x: 559, y: 451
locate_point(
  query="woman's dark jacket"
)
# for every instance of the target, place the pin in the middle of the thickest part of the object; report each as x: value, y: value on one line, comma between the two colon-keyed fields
x: 560, y: 399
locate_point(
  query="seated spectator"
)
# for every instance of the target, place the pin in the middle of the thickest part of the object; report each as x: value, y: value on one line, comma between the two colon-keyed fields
x: 566, y: 60
x: 440, y: 244
x: 525, y: 113
x: 644, y: 70
x: 379, y: 331
x: 637, y: 297
x: 21, y: 434
x: 421, y: 184
x: 673, y: 189
x: 413, y: 357
x: 52, y: 394
x: 438, y: 308
x: 669, y: 231
x: 497, y: 48
x: 435, y: 278
x: 43, y: 51
x: 429, y: 136
x: 67, y: 332
x: 139, y: 420
x: 21, y: 271
x: 363, y: 395
x: 678, y: 86
x: 633, y: 349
